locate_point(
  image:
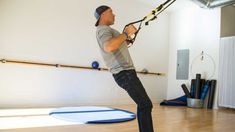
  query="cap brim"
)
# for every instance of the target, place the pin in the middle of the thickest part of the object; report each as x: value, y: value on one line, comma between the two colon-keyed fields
x: 97, y: 23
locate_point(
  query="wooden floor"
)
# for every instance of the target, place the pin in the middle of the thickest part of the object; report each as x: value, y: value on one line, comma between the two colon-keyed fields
x: 166, y: 119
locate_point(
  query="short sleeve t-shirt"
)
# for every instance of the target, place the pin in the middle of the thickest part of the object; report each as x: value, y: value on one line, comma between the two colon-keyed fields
x: 117, y: 60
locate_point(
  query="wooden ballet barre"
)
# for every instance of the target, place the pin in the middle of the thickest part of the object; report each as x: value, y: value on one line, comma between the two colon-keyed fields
x: 70, y: 66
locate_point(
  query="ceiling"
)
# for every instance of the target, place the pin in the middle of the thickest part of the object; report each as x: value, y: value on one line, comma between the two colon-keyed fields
x: 179, y: 4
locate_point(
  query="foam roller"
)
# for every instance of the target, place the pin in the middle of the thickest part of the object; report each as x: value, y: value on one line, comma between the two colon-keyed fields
x: 211, y: 94
x: 198, y: 86
x: 192, y: 89
x: 205, y: 90
x: 185, y: 89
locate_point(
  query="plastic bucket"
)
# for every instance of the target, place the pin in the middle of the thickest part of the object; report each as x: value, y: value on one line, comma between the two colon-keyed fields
x: 194, y: 103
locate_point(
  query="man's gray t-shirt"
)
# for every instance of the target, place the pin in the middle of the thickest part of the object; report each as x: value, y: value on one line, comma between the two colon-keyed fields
x: 117, y: 60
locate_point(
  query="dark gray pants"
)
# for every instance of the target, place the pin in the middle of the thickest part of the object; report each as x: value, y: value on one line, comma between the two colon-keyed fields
x: 129, y: 81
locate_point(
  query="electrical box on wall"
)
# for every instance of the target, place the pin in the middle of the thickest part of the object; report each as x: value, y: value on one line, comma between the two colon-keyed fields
x: 182, y: 70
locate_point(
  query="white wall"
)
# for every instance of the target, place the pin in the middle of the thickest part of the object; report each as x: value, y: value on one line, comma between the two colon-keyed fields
x: 198, y: 30
x: 63, y: 32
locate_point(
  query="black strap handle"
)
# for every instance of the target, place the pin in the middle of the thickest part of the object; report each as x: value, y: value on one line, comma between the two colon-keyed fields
x: 159, y: 9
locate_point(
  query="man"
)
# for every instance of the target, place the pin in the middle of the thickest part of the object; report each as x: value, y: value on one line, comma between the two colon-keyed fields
x: 113, y: 47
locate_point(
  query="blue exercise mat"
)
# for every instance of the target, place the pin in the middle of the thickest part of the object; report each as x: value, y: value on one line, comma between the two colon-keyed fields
x: 92, y: 114
x: 181, y: 101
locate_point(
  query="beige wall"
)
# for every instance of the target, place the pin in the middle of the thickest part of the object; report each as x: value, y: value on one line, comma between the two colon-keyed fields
x: 228, y: 21
x: 198, y: 30
x: 63, y: 32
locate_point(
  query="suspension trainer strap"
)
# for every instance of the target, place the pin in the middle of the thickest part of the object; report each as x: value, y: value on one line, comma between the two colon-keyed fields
x: 150, y: 17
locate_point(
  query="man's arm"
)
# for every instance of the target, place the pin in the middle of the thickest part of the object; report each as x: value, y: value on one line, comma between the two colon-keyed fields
x: 114, y: 43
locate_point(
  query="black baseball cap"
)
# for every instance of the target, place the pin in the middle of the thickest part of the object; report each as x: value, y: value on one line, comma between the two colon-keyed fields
x: 99, y: 10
